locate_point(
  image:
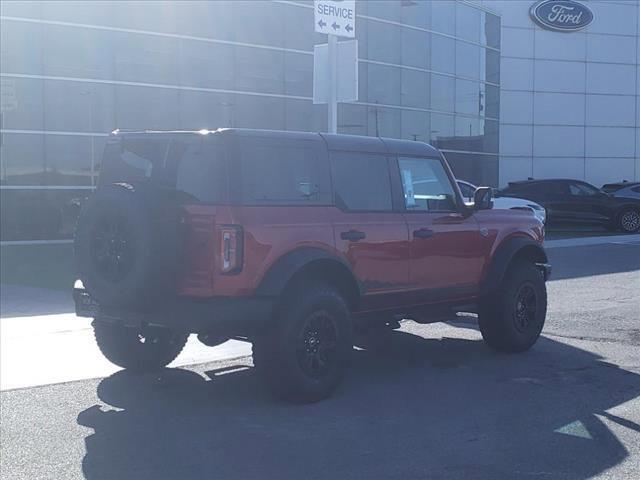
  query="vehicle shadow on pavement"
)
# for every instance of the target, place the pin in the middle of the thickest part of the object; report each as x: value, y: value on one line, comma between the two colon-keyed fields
x: 410, y: 408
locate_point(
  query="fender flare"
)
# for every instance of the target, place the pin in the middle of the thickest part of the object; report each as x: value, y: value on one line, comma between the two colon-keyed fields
x: 283, y: 270
x: 625, y: 206
x: 504, y: 255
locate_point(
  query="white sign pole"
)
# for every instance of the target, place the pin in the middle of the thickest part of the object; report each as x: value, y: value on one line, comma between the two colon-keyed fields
x: 335, y: 18
x: 333, y: 85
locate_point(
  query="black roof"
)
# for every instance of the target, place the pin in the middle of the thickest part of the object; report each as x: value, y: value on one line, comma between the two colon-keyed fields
x: 622, y: 184
x: 334, y: 141
x: 542, y: 180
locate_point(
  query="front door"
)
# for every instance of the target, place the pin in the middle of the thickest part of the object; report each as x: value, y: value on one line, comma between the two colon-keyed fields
x: 586, y: 203
x: 367, y: 231
x: 446, y: 255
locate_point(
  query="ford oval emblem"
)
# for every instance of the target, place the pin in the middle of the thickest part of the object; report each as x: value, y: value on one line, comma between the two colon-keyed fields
x: 561, y: 15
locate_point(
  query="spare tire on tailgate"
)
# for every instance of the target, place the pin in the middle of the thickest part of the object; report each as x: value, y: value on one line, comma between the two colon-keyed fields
x: 128, y: 243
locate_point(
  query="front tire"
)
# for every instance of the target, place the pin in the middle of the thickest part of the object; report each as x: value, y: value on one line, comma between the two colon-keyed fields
x: 138, y: 350
x: 512, y: 319
x: 629, y: 220
x: 305, y: 353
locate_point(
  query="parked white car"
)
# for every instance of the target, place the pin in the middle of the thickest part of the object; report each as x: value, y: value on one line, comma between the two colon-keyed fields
x: 538, y: 210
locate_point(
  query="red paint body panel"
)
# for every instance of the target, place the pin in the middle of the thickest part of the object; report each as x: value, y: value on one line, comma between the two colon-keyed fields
x: 453, y: 256
x: 504, y: 224
x: 380, y: 260
x: 269, y: 233
x: 389, y: 262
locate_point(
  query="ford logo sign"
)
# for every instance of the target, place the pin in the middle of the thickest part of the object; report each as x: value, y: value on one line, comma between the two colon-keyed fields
x: 561, y: 15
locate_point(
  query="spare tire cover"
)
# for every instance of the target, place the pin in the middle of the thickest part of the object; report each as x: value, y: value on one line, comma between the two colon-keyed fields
x: 127, y: 245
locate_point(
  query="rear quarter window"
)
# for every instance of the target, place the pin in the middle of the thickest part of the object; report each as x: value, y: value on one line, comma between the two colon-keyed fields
x: 282, y: 173
x: 201, y: 170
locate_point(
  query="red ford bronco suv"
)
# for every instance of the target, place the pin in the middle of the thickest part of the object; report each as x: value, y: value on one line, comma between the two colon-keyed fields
x: 291, y: 240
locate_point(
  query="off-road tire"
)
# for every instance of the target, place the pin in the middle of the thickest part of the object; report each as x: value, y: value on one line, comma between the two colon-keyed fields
x: 628, y: 220
x: 128, y: 245
x: 504, y: 325
x: 138, y: 351
x: 309, y: 315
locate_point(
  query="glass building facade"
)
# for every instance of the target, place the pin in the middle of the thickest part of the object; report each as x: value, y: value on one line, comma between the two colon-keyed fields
x: 74, y: 71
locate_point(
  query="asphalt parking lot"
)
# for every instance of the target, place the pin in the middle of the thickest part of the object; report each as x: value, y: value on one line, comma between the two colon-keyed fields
x: 427, y: 401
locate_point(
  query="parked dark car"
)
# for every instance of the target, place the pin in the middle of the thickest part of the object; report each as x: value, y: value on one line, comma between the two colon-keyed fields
x: 623, y: 189
x: 291, y: 240
x: 575, y: 201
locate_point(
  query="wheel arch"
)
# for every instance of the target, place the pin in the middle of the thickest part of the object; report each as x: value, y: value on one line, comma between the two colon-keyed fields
x: 625, y: 207
x: 310, y: 264
x: 510, y: 250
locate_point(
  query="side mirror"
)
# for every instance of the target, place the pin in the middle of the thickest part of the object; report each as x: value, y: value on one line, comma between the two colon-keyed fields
x: 483, y: 198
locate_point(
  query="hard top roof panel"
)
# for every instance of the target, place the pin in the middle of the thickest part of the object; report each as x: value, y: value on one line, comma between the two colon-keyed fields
x: 410, y: 147
x: 360, y: 143
x: 353, y: 143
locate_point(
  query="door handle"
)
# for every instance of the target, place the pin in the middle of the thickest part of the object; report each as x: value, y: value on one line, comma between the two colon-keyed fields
x: 353, y: 235
x: 423, y: 233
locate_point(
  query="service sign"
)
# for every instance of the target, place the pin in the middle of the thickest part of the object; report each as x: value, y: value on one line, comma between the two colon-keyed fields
x: 561, y: 15
x: 335, y: 17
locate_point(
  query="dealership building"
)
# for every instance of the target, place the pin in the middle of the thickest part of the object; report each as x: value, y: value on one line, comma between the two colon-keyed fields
x: 506, y: 89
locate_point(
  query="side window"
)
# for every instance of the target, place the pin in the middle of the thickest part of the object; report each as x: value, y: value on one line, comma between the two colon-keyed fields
x: 426, y: 185
x: 188, y: 163
x: 361, y: 181
x: 555, y: 188
x: 132, y: 159
x: 529, y: 190
x: 286, y: 173
x: 466, y: 190
x: 582, y: 190
x: 202, y: 170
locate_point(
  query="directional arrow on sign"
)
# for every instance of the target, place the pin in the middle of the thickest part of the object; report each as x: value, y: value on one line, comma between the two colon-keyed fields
x: 335, y: 17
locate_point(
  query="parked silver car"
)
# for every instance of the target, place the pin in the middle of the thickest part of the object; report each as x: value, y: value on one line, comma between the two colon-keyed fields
x: 538, y: 210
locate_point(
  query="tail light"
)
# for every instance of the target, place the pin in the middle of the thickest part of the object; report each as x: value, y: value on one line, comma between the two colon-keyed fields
x: 231, y: 248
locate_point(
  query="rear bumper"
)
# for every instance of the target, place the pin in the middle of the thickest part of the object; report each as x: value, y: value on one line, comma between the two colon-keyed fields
x: 222, y: 315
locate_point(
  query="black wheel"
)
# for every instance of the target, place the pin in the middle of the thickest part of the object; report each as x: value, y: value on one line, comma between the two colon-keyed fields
x: 511, y: 320
x: 306, y: 351
x: 629, y: 220
x: 138, y: 350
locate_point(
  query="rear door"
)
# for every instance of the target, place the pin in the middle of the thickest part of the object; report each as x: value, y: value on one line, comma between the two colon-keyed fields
x: 551, y: 194
x: 368, y: 232
x: 446, y: 250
